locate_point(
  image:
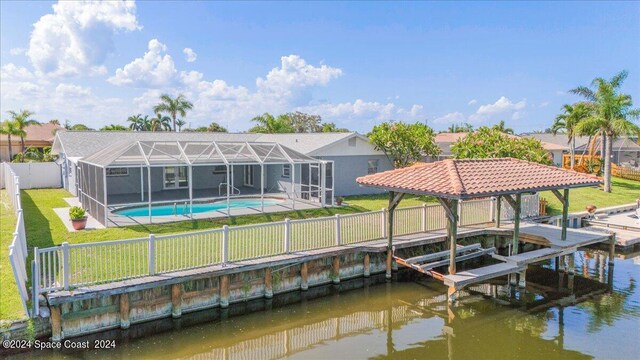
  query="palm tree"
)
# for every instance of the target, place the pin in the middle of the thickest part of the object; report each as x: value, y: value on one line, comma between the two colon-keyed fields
x: 568, y: 121
x: 180, y: 123
x: 54, y: 122
x: 160, y: 123
x: 215, y: 127
x: 114, y: 127
x: 9, y: 128
x: 464, y: 127
x: 611, y: 114
x: 173, y: 107
x: 136, y: 122
x: 22, y: 119
x: 502, y: 128
x: 268, y: 124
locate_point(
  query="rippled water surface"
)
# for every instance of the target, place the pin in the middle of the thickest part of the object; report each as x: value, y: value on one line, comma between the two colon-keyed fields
x: 594, y: 315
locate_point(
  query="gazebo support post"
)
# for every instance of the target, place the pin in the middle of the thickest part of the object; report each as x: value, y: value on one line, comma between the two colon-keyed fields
x: 498, y: 210
x: 564, y: 200
x: 451, y: 211
x: 516, y: 205
x: 394, y: 200
x: 262, y: 187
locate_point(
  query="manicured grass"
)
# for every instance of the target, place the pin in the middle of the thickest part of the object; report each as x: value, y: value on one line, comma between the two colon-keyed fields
x: 377, y: 202
x: 10, y: 303
x: 622, y: 192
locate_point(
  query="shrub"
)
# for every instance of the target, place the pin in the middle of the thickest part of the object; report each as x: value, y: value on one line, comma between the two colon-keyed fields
x: 77, y: 213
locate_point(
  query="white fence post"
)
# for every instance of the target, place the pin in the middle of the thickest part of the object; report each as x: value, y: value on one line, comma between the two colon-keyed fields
x: 152, y: 254
x: 338, y: 230
x: 225, y: 244
x: 492, y: 209
x: 424, y: 217
x: 287, y: 235
x: 65, y: 265
x: 383, y: 223
x: 34, y: 287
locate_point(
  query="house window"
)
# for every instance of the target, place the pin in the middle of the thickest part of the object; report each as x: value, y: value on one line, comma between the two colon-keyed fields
x: 117, y: 171
x: 286, y: 170
x: 372, y: 166
x: 176, y: 177
x: 220, y: 170
x: 352, y: 142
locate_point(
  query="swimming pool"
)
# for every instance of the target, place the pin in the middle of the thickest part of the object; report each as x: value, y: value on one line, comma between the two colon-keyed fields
x: 183, y: 209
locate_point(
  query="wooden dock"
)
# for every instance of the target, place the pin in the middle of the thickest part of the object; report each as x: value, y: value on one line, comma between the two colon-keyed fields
x: 539, y: 234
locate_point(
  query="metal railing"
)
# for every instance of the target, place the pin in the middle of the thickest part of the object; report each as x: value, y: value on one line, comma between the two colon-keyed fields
x: 69, y: 266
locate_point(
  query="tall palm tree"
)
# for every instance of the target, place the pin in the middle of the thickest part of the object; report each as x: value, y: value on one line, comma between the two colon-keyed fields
x: 173, y: 107
x: 54, y: 122
x: 268, y: 124
x: 215, y: 127
x: 502, y: 128
x: 568, y: 121
x: 180, y: 123
x: 135, y: 122
x: 22, y: 119
x: 160, y: 123
x: 9, y: 128
x: 611, y: 115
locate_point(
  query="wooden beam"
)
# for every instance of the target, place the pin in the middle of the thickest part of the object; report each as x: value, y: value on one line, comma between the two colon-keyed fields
x: 511, y: 201
x: 516, y: 224
x: 561, y: 198
x: 394, y: 200
x: 565, y: 214
x: 498, y: 208
x: 446, y: 204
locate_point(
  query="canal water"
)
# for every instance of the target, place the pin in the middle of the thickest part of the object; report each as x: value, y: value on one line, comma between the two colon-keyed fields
x: 594, y: 314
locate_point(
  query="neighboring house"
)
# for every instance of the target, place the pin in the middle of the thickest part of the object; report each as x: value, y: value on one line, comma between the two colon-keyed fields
x: 445, y: 140
x: 351, y: 153
x: 624, y: 150
x: 38, y: 136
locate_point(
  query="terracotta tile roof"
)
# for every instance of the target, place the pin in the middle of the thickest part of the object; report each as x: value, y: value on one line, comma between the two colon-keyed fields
x: 42, y: 132
x: 472, y: 178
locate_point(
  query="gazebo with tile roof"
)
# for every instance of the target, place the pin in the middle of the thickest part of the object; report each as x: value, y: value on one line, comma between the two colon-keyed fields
x: 452, y: 180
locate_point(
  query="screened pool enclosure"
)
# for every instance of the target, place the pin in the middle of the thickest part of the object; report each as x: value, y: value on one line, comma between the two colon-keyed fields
x: 187, y: 174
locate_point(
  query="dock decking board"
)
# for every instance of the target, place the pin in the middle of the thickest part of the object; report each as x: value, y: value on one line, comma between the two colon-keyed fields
x: 442, y: 254
x: 472, y: 276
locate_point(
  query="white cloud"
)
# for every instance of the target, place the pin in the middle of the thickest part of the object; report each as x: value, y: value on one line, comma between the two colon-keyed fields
x: 451, y: 118
x: 17, y: 51
x: 77, y: 37
x: 11, y: 71
x: 473, y: 102
x: 154, y: 69
x: 502, y: 107
x: 190, y: 55
x: 72, y: 90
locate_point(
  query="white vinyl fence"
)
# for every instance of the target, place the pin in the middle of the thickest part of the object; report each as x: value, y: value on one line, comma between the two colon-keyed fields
x: 37, y: 175
x: 18, y: 248
x: 69, y: 266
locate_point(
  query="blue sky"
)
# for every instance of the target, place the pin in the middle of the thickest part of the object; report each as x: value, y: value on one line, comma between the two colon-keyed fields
x: 356, y: 64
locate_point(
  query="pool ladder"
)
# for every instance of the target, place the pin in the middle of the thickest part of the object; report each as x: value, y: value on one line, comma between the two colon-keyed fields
x: 175, y: 208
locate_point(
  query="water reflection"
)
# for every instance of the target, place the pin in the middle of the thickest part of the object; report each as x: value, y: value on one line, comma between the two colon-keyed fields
x: 411, y: 318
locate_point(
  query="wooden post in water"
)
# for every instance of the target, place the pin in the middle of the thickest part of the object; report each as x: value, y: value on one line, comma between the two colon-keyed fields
x: 124, y: 311
x: 56, y: 323
x: 394, y: 200
x: 304, y: 276
x: 498, y: 209
x: 516, y: 224
x: 176, y: 300
x: 367, y: 265
x: 268, y: 283
x: 224, y: 291
x: 336, y: 269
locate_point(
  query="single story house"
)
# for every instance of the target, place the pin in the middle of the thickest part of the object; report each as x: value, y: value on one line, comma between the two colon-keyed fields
x: 350, y: 154
x: 38, y: 136
x: 445, y: 140
x: 624, y: 150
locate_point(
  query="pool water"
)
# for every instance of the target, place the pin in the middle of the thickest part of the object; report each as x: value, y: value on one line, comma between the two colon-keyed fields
x: 183, y: 209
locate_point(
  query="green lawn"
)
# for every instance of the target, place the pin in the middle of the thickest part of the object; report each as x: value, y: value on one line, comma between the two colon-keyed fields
x: 10, y: 303
x: 622, y: 192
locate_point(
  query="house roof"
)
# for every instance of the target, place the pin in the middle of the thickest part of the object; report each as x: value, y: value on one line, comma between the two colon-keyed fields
x: 443, y: 138
x: 619, y: 144
x: 85, y: 143
x: 38, y: 133
x: 473, y: 178
x: 164, y: 153
x: 558, y: 139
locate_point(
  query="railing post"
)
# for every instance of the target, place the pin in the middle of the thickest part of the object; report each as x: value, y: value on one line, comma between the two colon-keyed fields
x: 383, y: 223
x: 287, y: 235
x: 424, y: 217
x: 152, y: 254
x: 34, y: 287
x: 492, y: 209
x: 225, y: 244
x: 65, y: 265
x: 338, y: 232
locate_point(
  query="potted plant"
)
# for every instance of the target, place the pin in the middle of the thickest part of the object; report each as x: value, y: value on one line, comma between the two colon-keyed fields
x: 339, y: 200
x: 78, y: 217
